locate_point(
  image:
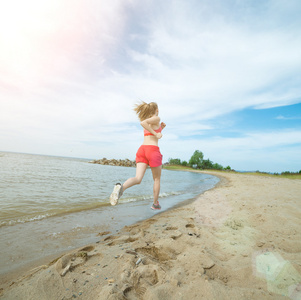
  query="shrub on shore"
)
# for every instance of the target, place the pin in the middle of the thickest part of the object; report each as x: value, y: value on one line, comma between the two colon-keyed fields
x: 197, y: 161
x: 288, y: 173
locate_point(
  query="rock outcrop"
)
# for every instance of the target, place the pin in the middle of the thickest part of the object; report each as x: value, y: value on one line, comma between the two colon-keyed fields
x: 115, y: 162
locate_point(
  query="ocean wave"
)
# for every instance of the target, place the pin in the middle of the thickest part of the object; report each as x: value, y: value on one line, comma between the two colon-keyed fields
x: 53, y: 213
x: 80, y: 208
x: 24, y: 220
x: 148, y: 197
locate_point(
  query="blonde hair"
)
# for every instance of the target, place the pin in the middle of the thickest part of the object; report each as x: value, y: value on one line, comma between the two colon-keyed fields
x: 145, y: 110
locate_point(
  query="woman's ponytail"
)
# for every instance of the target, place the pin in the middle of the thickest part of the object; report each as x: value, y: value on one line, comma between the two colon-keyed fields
x: 145, y: 110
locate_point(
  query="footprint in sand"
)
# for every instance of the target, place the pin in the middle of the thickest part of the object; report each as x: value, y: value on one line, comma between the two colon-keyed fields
x: 73, y: 260
x: 189, y: 225
x: 140, y: 280
x: 171, y: 228
x: 156, y: 253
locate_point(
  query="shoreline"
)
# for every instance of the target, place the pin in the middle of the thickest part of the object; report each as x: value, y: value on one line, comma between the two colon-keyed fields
x: 53, y: 245
x: 238, y: 240
x: 24, y: 243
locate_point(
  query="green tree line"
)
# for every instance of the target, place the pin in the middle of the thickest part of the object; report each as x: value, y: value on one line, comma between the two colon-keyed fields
x: 197, y: 161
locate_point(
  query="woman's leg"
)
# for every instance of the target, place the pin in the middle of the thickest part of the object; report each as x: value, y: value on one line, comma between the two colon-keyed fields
x: 157, y: 177
x: 140, y: 171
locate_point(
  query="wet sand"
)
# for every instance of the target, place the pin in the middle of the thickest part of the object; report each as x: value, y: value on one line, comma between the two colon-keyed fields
x: 240, y: 240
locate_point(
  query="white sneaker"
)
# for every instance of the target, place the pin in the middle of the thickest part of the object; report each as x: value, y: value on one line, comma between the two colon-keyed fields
x: 116, y: 194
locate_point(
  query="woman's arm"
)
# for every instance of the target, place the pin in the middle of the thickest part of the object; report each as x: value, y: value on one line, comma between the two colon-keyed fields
x: 146, y: 124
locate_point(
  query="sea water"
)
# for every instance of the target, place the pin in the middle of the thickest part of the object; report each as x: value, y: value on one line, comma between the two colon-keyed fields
x: 52, y: 204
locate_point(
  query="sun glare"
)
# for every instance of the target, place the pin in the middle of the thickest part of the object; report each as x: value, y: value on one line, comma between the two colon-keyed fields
x: 41, y: 40
x: 27, y: 33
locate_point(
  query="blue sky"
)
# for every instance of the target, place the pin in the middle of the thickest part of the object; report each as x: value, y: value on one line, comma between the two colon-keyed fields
x: 226, y: 76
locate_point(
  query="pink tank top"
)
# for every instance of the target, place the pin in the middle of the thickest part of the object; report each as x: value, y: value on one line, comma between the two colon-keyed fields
x: 146, y: 132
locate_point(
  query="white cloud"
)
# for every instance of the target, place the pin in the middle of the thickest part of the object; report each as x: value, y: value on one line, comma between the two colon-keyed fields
x: 287, y: 118
x: 78, y: 77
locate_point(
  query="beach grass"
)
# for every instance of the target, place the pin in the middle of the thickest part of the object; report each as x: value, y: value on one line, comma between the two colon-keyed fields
x: 289, y: 176
x: 187, y: 168
x: 263, y: 174
x: 177, y: 168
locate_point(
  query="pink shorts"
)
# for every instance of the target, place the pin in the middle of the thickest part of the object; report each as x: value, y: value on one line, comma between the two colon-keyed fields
x: 150, y: 155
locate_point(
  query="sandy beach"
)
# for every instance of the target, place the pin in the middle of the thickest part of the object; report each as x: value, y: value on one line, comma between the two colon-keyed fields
x: 240, y: 240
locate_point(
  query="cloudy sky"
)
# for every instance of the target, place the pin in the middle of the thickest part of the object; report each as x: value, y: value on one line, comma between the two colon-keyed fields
x: 226, y: 75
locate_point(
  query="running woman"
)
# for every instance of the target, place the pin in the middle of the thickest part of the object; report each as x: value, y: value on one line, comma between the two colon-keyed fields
x: 147, y: 155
